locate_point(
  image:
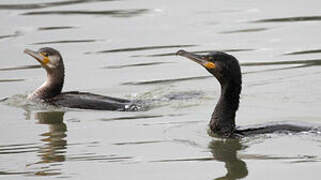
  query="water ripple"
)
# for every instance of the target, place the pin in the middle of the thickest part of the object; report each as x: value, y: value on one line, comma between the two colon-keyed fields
x: 131, y: 117
x: 134, y: 65
x: 10, y: 80
x: 45, y: 5
x: 298, y: 63
x: 92, y: 157
x: 16, y: 34
x: 138, y: 142
x: 20, y: 67
x: 12, y: 173
x: 304, y: 52
x: 55, y: 28
x: 245, y: 30
x: 141, y: 48
x: 296, y: 159
x: 310, y: 62
x: 290, y: 19
x: 112, y: 13
x: 165, y: 81
x: 268, y: 157
x: 18, y: 148
x: 186, y: 159
x: 66, y: 41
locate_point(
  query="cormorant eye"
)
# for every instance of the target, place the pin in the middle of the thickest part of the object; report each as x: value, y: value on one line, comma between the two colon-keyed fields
x: 45, y: 54
x: 209, y: 58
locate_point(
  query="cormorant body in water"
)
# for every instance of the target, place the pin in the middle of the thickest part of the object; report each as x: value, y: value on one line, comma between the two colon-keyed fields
x: 50, y: 92
x: 226, y: 69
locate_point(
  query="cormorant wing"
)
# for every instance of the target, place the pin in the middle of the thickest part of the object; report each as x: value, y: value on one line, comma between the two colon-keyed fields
x: 84, y: 100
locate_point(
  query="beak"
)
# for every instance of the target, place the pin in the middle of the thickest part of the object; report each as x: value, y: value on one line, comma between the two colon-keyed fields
x: 40, y: 58
x: 196, y: 58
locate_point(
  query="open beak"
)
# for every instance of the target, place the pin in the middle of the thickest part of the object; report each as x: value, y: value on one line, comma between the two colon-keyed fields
x: 40, y: 58
x: 196, y: 58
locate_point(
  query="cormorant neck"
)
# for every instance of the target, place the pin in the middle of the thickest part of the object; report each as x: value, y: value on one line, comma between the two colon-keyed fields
x: 223, y: 117
x: 51, y: 87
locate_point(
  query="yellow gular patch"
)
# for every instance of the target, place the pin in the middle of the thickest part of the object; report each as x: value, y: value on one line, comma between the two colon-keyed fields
x: 210, y: 65
x: 45, y: 60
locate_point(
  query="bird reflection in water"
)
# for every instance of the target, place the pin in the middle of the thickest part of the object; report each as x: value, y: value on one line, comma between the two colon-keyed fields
x: 226, y: 151
x: 54, y: 149
x: 55, y: 146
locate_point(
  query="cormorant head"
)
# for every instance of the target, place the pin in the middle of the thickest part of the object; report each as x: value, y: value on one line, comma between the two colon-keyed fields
x: 49, y: 58
x: 223, y: 66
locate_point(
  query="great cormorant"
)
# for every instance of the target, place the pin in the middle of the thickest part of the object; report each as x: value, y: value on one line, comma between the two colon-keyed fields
x: 50, y: 91
x: 226, y: 69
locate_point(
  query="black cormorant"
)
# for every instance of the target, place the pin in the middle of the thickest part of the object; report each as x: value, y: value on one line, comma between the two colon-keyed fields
x: 50, y: 92
x: 227, y: 71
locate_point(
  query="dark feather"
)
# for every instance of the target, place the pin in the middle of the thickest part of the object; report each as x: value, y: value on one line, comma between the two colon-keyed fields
x: 84, y: 100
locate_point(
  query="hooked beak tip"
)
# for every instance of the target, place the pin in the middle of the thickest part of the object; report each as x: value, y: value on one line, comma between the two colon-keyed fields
x: 180, y: 52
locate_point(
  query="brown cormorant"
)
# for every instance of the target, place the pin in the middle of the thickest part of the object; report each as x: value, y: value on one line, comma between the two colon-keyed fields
x: 50, y: 92
x: 226, y: 69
